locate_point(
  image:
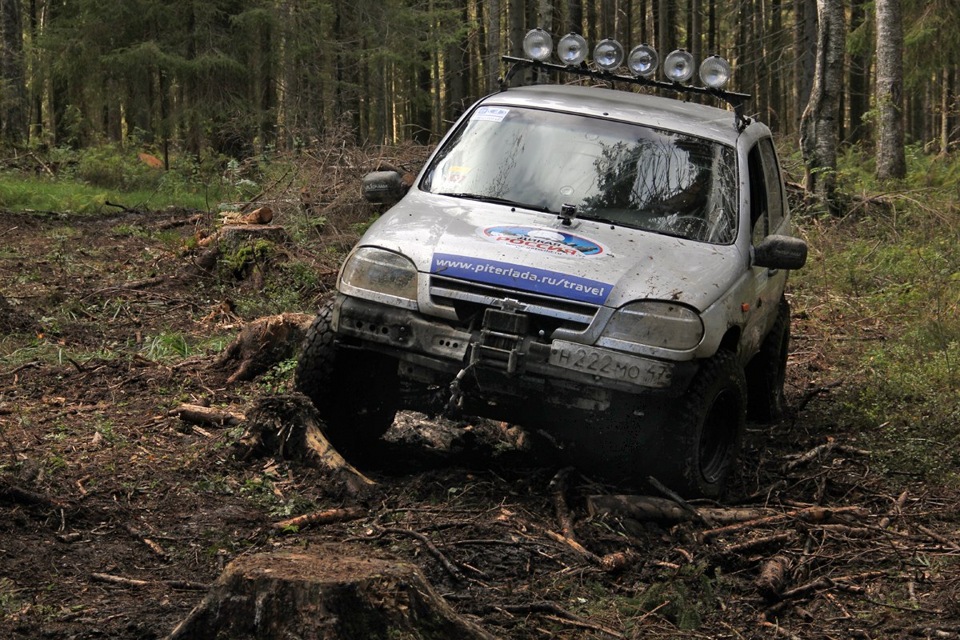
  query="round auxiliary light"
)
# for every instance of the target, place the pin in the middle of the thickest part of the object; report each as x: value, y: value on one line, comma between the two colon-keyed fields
x: 715, y: 72
x: 537, y: 44
x: 572, y: 49
x: 678, y: 67
x: 643, y: 61
x: 608, y: 54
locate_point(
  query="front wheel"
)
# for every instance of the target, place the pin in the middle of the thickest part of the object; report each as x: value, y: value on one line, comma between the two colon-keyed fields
x: 767, y: 372
x: 356, y: 392
x: 702, y: 445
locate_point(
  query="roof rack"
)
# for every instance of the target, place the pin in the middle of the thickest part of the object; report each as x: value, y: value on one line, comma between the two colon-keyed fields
x: 735, y: 100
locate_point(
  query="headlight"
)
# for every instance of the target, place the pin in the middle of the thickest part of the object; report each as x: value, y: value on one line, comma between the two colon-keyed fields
x: 382, y: 272
x: 656, y: 324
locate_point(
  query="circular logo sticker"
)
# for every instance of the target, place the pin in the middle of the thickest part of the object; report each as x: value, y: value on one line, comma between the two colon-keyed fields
x: 545, y: 240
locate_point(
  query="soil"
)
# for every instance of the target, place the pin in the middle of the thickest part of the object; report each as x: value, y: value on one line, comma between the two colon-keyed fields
x: 116, y: 515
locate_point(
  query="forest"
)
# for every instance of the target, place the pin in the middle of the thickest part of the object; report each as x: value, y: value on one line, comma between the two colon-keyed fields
x: 152, y: 461
x: 239, y: 77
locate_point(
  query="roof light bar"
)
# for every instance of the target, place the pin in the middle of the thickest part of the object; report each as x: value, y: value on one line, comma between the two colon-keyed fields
x: 643, y: 62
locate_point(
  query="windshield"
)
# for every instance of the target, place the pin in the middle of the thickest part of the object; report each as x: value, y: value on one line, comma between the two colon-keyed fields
x: 624, y: 174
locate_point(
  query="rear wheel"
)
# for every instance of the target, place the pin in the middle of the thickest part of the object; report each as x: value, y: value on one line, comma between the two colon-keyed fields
x: 700, y: 449
x: 356, y: 392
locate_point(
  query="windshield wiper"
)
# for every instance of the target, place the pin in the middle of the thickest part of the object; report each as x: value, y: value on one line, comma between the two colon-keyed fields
x: 495, y: 200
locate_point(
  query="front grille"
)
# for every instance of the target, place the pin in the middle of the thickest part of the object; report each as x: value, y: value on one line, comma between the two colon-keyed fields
x: 470, y: 299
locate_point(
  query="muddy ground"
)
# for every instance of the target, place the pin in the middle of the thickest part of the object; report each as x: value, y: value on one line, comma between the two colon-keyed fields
x: 116, y: 515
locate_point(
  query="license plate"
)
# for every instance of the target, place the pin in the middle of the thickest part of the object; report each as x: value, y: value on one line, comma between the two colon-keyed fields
x: 610, y: 364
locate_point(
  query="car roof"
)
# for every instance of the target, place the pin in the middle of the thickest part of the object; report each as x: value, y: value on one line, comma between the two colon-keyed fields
x: 655, y: 111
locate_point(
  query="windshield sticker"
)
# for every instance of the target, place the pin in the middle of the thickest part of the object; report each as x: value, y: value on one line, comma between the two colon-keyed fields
x: 520, y: 277
x: 546, y: 240
x: 455, y: 175
x: 492, y: 114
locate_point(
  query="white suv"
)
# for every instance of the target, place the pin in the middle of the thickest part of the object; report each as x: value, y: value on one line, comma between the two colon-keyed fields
x: 603, y: 266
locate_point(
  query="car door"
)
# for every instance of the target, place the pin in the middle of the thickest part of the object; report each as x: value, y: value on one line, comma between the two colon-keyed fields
x: 767, y: 216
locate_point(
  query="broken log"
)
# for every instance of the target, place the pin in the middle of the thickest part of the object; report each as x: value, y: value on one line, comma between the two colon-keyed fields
x: 262, y: 344
x: 773, y: 577
x: 326, y: 594
x: 288, y: 426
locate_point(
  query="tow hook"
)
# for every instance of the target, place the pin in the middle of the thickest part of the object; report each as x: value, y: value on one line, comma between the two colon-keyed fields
x: 455, y: 404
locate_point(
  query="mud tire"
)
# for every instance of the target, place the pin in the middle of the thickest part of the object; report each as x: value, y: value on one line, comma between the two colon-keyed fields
x: 700, y: 453
x: 355, y: 392
x: 767, y: 372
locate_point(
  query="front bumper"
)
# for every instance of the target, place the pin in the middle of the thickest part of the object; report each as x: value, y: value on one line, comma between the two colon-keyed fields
x: 502, y: 348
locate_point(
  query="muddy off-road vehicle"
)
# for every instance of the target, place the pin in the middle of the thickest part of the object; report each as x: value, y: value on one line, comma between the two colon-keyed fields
x: 602, y: 266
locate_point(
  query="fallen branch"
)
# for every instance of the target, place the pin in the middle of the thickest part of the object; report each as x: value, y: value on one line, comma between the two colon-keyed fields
x: 840, y: 582
x: 450, y: 568
x: 651, y: 508
x: 686, y: 506
x: 557, y: 614
x: 749, y: 546
x: 13, y: 493
x: 153, y: 546
x: 811, y: 515
x: 196, y: 414
x: 820, y: 450
x: 134, y: 582
x: 327, y: 516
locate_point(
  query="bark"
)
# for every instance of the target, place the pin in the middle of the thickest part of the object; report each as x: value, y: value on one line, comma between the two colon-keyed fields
x: 13, y: 87
x: 288, y: 426
x: 805, y: 39
x: 858, y: 85
x: 492, y: 9
x: 891, y: 162
x: 262, y: 344
x: 326, y: 594
x: 820, y: 124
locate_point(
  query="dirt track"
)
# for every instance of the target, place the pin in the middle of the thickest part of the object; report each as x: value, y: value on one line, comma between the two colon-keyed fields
x: 116, y: 515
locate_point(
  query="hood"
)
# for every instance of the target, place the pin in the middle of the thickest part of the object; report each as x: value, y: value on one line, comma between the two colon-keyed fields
x: 532, y: 251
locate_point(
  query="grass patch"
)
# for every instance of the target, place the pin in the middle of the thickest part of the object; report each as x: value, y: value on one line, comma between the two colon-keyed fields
x: 882, y: 294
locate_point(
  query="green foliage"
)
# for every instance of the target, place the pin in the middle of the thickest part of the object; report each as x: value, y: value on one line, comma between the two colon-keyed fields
x: 279, y: 377
x: 167, y: 346
x: 883, y: 286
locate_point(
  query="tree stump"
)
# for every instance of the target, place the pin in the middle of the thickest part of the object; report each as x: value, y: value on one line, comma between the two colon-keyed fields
x: 321, y: 595
x: 263, y: 343
x: 288, y: 426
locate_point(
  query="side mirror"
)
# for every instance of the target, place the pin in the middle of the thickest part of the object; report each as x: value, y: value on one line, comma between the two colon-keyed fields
x: 383, y: 187
x: 780, y: 252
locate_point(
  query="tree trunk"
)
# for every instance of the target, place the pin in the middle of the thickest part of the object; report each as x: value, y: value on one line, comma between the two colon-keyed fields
x: 325, y: 594
x: 891, y: 162
x: 819, y: 125
x: 805, y: 42
x: 492, y: 8
x: 13, y: 86
x: 859, y: 82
